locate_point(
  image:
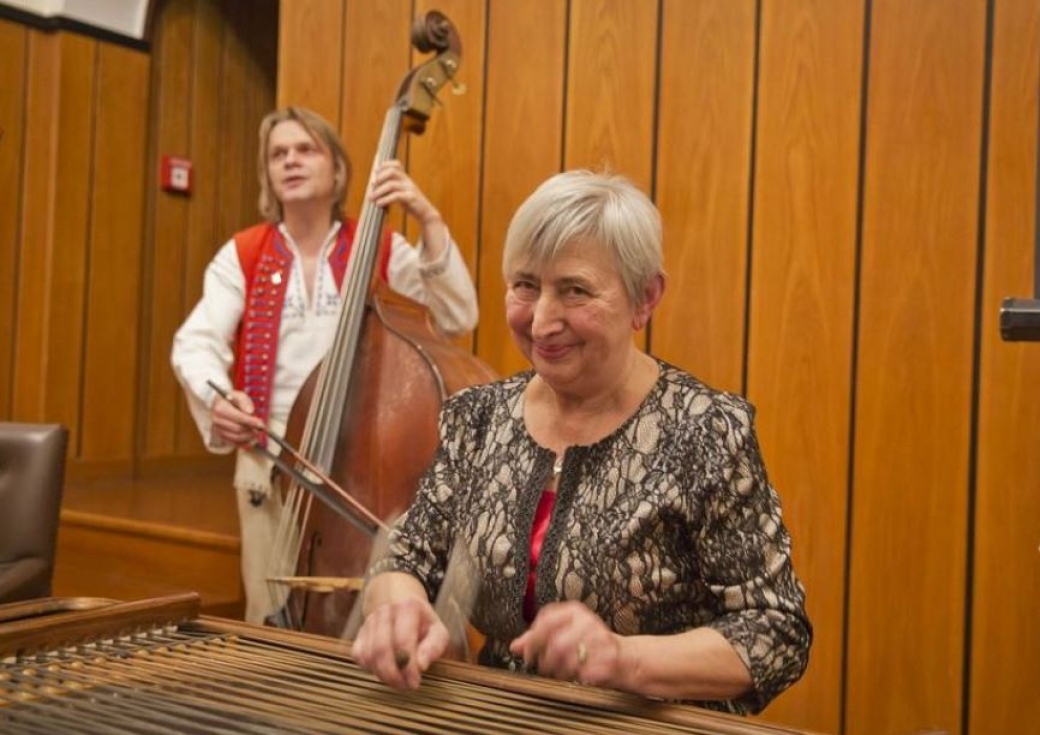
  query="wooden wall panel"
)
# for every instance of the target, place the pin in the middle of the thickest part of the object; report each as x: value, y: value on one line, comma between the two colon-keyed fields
x: 254, y: 41
x: 310, y: 46
x: 1005, y: 647
x: 206, y: 134
x: 236, y: 182
x: 43, y: 67
x: 802, y: 287
x: 173, y: 54
x: 526, y: 41
x: 72, y: 221
x: 703, y: 173
x: 611, y: 84
x: 445, y: 160
x: 116, y: 235
x: 13, y: 74
x: 56, y: 216
x: 914, y: 373
x: 376, y: 59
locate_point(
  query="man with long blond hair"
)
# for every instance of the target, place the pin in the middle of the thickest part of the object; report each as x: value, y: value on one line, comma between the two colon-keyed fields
x: 270, y: 306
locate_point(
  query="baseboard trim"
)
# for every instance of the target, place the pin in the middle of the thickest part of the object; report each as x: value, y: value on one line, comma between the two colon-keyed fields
x: 145, y: 529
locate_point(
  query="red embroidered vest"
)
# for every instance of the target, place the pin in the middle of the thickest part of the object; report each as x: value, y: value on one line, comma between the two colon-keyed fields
x: 266, y: 263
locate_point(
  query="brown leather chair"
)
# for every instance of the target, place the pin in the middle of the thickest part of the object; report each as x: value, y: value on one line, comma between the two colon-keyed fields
x: 32, y: 474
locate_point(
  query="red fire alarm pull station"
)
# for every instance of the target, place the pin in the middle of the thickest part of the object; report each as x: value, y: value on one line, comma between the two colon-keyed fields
x: 175, y: 174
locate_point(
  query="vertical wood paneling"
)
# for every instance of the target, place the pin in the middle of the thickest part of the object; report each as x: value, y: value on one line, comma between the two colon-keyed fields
x: 205, y: 140
x: 117, y: 228
x: 13, y: 43
x: 703, y: 169
x: 803, y: 277
x: 376, y: 58
x: 173, y: 80
x: 611, y: 83
x: 236, y: 114
x: 445, y: 160
x: 526, y: 41
x: 59, y: 144
x: 246, y: 97
x: 257, y: 45
x: 37, y: 224
x: 1005, y: 650
x: 310, y: 47
x: 72, y: 222
x: 914, y: 375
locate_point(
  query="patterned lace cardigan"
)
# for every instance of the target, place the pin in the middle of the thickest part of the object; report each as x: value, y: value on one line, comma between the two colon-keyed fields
x: 667, y: 524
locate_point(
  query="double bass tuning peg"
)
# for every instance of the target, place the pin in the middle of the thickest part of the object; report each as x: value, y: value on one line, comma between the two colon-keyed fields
x: 451, y: 66
x: 431, y: 85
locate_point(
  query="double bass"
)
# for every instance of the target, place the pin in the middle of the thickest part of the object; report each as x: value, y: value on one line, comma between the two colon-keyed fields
x: 367, y: 416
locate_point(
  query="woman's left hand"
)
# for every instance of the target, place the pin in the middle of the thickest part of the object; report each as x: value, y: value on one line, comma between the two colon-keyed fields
x: 568, y: 641
x: 392, y: 185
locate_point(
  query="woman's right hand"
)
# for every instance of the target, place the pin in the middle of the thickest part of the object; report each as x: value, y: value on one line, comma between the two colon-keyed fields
x: 399, y: 640
x: 234, y: 422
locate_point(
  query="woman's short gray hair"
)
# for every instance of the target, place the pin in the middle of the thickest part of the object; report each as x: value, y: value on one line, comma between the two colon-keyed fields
x: 608, y: 210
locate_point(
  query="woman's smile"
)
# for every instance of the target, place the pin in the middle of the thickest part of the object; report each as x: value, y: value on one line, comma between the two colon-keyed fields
x: 552, y: 352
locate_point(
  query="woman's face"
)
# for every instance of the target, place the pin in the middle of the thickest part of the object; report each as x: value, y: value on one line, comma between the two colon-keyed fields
x: 573, y: 319
x: 301, y: 171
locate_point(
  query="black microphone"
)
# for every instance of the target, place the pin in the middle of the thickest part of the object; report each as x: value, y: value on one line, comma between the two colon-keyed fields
x: 1020, y: 320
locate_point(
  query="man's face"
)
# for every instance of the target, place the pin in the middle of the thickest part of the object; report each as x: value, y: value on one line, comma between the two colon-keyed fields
x: 300, y: 169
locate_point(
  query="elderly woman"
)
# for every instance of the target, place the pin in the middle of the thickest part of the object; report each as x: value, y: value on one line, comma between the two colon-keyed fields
x: 615, y: 511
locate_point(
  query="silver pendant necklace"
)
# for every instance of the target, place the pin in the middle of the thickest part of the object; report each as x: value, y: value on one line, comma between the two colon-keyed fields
x: 558, y: 464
